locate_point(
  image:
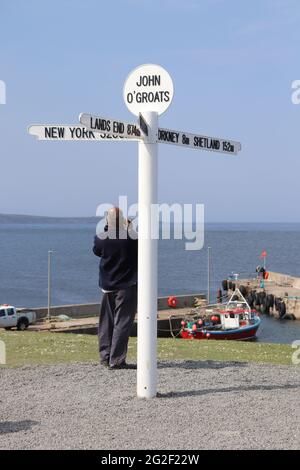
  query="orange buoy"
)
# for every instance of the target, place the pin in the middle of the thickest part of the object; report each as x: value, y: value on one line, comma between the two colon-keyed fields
x: 172, y: 301
x: 214, y: 318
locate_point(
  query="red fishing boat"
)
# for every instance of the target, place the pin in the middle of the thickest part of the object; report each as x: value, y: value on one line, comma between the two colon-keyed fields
x: 232, y: 321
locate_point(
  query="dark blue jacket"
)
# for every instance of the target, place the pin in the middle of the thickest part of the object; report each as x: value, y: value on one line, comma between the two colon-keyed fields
x: 118, y: 264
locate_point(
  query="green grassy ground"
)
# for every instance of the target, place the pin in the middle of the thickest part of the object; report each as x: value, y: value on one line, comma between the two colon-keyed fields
x: 26, y: 348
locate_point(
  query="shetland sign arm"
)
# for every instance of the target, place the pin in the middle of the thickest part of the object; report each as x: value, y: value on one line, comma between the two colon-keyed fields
x: 197, y: 141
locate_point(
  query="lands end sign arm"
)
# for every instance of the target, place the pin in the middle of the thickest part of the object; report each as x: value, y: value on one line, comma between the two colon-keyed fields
x: 196, y: 141
x: 69, y: 133
x: 110, y: 126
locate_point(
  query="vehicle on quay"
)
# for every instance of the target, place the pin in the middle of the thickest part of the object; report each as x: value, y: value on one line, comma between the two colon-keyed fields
x: 11, y: 317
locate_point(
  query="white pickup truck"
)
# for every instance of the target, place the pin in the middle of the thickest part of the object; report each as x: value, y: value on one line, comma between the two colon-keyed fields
x: 11, y: 317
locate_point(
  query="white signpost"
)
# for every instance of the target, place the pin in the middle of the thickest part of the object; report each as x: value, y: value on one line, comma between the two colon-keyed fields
x: 148, y: 92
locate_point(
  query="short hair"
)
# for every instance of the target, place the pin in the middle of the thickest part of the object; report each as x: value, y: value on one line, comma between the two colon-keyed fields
x: 115, y: 217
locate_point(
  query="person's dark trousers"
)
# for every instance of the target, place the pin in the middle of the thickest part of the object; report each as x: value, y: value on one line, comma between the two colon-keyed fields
x: 116, y: 318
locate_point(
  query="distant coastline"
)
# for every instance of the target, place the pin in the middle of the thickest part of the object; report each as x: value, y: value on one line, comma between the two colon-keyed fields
x: 39, y: 219
x: 21, y: 219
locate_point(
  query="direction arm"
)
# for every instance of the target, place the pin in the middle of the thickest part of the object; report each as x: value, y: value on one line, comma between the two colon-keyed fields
x: 198, y: 141
x: 72, y: 132
x: 110, y: 126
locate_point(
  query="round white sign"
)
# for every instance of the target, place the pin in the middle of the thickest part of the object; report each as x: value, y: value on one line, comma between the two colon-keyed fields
x: 148, y: 88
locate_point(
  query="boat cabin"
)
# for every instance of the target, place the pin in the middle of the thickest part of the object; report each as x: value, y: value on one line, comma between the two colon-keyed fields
x: 234, y: 316
x: 230, y: 320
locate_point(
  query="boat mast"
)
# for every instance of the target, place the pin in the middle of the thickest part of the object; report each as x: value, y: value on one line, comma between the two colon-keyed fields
x: 208, y: 275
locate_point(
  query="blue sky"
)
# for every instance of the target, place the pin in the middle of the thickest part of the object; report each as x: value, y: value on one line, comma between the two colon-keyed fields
x: 232, y: 65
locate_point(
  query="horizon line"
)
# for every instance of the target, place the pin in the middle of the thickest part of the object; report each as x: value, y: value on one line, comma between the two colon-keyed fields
x: 2, y: 214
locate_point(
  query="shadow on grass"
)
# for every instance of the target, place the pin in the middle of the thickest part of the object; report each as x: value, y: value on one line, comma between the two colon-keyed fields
x: 16, y: 426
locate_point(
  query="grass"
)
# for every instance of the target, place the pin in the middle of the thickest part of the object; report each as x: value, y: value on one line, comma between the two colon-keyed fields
x: 29, y: 348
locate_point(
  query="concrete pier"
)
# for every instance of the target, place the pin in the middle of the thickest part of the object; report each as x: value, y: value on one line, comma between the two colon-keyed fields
x: 280, y: 285
x: 92, y: 309
x: 84, y: 317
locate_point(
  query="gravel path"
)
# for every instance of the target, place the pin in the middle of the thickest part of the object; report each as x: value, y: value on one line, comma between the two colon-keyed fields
x: 202, y: 405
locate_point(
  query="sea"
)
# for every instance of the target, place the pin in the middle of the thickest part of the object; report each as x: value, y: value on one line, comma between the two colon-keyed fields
x: 234, y: 248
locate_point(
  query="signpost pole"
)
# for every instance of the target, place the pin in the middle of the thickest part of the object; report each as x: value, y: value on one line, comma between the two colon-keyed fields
x: 147, y: 262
